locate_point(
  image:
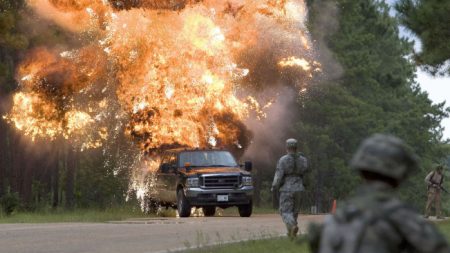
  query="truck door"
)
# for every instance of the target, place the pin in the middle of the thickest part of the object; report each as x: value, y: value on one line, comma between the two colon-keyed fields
x: 161, y: 182
x: 171, y: 179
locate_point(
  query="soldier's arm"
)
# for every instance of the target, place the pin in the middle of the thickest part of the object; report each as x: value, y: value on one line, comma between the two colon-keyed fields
x: 428, y: 178
x: 420, y: 235
x: 277, y: 179
x: 306, y: 164
x: 302, y: 162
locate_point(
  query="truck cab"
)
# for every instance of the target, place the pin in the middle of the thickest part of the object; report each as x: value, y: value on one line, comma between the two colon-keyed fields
x: 206, y: 178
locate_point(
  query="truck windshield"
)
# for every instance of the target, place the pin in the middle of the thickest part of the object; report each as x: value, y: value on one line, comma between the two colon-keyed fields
x: 207, y: 159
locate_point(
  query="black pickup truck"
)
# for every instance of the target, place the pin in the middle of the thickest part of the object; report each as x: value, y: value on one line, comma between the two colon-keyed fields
x: 206, y: 178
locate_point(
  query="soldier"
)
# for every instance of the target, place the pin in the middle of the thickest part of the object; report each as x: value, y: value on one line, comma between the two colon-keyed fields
x: 288, y: 180
x: 374, y: 221
x: 434, y: 181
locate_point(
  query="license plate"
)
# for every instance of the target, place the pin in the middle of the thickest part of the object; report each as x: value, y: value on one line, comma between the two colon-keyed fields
x: 222, y: 198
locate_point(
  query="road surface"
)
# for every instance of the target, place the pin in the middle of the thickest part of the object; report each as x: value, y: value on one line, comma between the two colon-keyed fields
x: 139, y: 235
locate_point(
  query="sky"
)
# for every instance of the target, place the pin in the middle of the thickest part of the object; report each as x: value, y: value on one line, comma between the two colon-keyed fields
x: 438, y: 88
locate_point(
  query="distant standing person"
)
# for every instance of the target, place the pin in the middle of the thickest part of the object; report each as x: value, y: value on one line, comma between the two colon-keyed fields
x: 374, y: 220
x: 434, y: 182
x: 288, y: 180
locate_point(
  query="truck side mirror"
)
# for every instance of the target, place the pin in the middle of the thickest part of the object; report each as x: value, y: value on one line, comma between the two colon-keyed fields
x: 165, y: 168
x: 187, y: 165
x: 248, y: 166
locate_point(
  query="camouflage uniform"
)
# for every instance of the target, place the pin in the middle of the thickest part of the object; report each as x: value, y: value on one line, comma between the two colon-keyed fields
x: 434, y: 181
x: 288, y: 180
x: 374, y: 221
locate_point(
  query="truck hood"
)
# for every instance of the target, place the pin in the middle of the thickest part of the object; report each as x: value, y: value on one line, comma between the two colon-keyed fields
x: 213, y: 170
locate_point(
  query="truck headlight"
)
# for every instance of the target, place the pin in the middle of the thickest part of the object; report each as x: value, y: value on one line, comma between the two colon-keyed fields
x: 192, y: 182
x: 247, y: 181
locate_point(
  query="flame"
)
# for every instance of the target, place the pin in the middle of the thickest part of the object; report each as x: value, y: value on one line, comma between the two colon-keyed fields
x: 34, y: 117
x: 77, y: 120
x: 295, y: 62
x: 172, y: 71
x: 203, y: 34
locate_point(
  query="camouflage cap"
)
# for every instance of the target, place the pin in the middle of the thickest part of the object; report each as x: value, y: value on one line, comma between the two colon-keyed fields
x: 439, y: 167
x: 291, y: 143
x: 385, y: 155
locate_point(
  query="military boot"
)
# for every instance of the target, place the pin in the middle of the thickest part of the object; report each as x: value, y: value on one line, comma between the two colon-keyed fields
x: 292, y: 232
x: 295, y: 231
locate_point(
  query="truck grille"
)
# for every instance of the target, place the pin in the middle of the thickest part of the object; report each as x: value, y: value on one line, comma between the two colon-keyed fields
x: 220, y: 181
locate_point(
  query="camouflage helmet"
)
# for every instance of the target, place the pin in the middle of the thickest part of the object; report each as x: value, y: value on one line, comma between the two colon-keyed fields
x: 386, y: 155
x: 439, y: 167
x: 291, y: 143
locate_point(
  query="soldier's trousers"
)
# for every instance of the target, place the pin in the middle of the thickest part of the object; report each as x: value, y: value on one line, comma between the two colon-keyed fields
x: 434, y: 195
x: 289, y: 208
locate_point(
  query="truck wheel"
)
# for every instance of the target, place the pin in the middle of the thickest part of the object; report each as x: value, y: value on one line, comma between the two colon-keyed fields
x: 153, y: 206
x: 245, y: 210
x: 184, y: 209
x: 209, y: 210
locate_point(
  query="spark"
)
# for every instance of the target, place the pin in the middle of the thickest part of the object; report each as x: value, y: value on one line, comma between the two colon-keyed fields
x: 212, y: 141
x: 27, y: 78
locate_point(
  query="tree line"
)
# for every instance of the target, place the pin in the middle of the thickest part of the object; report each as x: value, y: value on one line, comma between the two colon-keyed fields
x: 376, y: 92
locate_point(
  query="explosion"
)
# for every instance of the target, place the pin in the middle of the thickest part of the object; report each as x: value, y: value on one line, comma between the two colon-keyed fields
x: 174, y: 72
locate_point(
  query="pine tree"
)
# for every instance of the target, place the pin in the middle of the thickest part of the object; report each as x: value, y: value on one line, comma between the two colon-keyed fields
x: 376, y: 93
x: 430, y: 21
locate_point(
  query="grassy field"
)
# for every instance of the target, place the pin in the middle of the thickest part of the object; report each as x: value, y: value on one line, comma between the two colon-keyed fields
x: 92, y: 215
x: 278, y: 245
x: 444, y: 226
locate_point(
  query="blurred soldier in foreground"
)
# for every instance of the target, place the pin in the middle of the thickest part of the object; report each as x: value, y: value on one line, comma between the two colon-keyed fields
x: 374, y: 221
x: 288, y: 181
x: 434, y: 182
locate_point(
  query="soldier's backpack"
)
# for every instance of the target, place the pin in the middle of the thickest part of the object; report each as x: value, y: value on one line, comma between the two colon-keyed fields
x: 345, y: 231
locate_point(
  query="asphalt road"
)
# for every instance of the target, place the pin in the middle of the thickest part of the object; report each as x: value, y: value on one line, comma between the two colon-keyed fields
x: 139, y: 235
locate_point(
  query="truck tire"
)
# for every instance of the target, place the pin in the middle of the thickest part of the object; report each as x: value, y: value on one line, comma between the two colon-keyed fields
x: 245, y: 210
x: 184, y: 209
x: 209, y: 210
x: 153, y: 206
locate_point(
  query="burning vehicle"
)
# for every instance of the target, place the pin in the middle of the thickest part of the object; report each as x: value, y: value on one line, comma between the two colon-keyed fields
x: 164, y: 74
x: 206, y: 178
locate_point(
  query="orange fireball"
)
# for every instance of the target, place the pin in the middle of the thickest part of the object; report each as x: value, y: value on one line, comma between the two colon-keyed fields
x: 175, y: 73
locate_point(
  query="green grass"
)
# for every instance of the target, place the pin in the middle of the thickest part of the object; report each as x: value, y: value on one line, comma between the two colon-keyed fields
x: 233, y: 211
x: 96, y: 215
x: 79, y: 215
x: 264, y: 210
x: 279, y: 245
x: 444, y: 226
